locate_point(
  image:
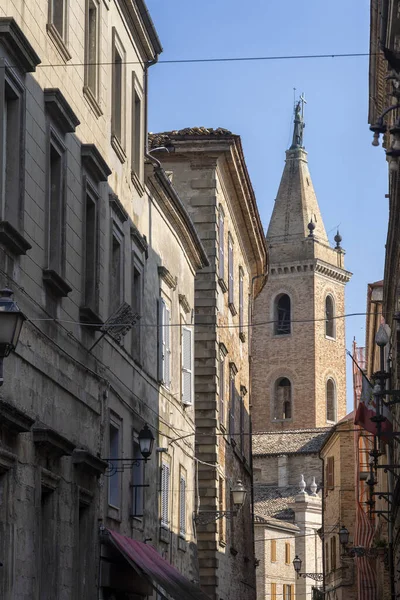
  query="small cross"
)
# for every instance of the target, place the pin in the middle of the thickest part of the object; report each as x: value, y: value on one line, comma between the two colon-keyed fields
x: 303, y: 102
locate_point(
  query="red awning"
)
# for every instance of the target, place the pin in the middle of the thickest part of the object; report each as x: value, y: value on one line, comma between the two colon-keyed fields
x: 161, y: 574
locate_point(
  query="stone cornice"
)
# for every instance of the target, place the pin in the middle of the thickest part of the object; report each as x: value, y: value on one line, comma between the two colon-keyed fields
x: 12, y: 36
x: 94, y: 162
x: 169, y: 279
x: 141, y: 27
x: 62, y: 113
x: 311, y: 266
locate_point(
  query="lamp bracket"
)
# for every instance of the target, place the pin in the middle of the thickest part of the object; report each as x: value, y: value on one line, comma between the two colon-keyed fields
x: 205, y: 517
x: 315, y: 576
x: 360, y: 552
x: 391, y: 468
x: 118, y: 465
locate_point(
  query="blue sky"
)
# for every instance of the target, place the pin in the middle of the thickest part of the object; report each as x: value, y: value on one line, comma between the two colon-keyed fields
x: 255, y: 100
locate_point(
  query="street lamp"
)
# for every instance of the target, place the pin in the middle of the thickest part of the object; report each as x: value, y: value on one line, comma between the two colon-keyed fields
x: 239, y: 493
x: 11, y: 321
x: 297, y: 562
x: 146, y: 442
x: 344, y: 535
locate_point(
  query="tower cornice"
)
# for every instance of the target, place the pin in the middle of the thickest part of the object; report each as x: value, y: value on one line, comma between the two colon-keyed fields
x: 316, y: 265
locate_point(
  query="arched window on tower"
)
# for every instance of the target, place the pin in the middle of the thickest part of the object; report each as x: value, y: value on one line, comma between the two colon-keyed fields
x: 330, y: 400
x: 329, y: 317
x: 283, y: 399
x: 282, y: 315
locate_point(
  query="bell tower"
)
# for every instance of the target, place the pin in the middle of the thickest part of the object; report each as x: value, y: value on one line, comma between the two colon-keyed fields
x: 298, y: 341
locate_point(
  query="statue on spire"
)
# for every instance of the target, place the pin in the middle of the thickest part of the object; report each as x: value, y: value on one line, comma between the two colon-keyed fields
x: 299, y: 124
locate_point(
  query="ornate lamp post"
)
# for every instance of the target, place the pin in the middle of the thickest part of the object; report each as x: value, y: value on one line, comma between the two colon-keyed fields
x: 11, y: 321
x: 239, y: 494
x: 297, y: 562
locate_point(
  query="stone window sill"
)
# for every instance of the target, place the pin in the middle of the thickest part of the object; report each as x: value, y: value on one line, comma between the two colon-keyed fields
x: 12, y: 239
x: 91, y: 99
x: 58, y: 42
x: 330, y: 338
x: 56, y: 283
x: 232, y: 309
x: 222, y: 285
x: 118, y: 149
x: 165, y: 534
x: 137, y: 183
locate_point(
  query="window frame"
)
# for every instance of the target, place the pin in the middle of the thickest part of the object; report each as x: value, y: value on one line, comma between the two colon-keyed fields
x: 90, y: 90
x: 287, y: 553
x: 91, y: 297
x: 182, y: 503
x: 231, y: 275
x: 165, y: 478
x: 164, y: 342
x: 276, y: 321
x: 242, y: 334
x: 330, y: 321
x: 277, y: 407
x: 221, y: 243
x: 232, y: 402
x: 272, y: 550
x: 334, y: 400
x: 60, y: 39
x: 117, y: 234
x: 118, y: 125
x: 54, y: 142
x: 116, y: 424
x: 138, y: 473
x: 330, y: 474
x: 137, y: 141
x: 187, y: 366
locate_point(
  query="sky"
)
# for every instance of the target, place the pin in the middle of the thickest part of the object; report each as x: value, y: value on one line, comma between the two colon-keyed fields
x: 255, y: 100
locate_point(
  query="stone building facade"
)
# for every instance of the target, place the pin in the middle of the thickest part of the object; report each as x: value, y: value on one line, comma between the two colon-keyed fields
x: 87, y: 228
x: 383, y: 115
x: 207, y: 168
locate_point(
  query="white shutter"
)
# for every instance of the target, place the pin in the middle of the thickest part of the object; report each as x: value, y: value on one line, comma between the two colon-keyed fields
x: 182, y: 507
x: 230, y: 272
x: 221, y: 245
x: 164, y: 495
x: 167, y: 346
x: 161, y: 340
x: 187, y: 366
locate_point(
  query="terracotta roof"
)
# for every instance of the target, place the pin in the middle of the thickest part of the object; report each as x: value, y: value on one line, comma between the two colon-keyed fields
x: 275, y: 523
x: 162, y: 138
x: 274, y: 501
x: 302, y: 441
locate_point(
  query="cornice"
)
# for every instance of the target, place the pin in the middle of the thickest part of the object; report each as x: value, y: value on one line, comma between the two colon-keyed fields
x: 12, y: 36
x: 167, y: 276
x: 59, y: 108
x: 310, y: 266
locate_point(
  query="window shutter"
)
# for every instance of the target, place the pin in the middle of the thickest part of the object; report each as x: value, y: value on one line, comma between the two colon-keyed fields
x: 182, y: 507
x: 164, y: 494
x: 273, y: 550
x: 161, y: 340
x: 167, y: 345
x: 221, y: 392
x: 240, y: 302
x: 285, y: 591
x: 241, y: 423
x: 232, y: 398
x: 221, y: 245
x: 230, y: 272
x: 287, y: 553
x: 273, y: 591
x: 187, y: 366
x: 330, y: 479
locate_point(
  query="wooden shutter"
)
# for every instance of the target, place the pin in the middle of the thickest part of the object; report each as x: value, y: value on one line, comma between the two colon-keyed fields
x: 330, y: 473
x: 182, y: 506
x: 240, y: 301
x: 230, y: 272
x: 291, y: 592
x: 221, y: 244
x: 333, y: 553
x: 287, y: 553
x: 273, y: 591
x: 165, y: 494
x: 273, y: 550
x: 187, y: 366
x: 222, y: 392
x: 167, y: 338
x: 161, y: 340
x: 285, y: 587
x: 232, y: 399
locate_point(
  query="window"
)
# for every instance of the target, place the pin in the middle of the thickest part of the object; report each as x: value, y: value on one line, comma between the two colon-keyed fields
x: 283, y: 399
x: 118, y: 98
x: 232, y: 401
x: 92, y: 47
x: 230, y: 273
x: 222, y: 390
x: 330, y: 473
x: 287, y: 553
x: 137, y: 133
x: 187, y: 366
x: 137, y: 307
x: 86, y: 546
x: 137, y: 482
x: 273, y: 591
x: 182, y: 504
x: 288, y: 592
x: 327, y: 557
x: 58, y: 16
x: 242, y: 415
x: 273, y: 550
x: 164, y: 343
x: 330, y: 400
x: 282, y: 315
x: 333, y: 553
x: 221, y: 507
x: 221, y: 236
x: 114, y: 479
x: 91, y: 266
x: 48, y: 544
x: 242, y: 334
x: 329, y: 316
x: 116, y: 269
x: 56, y: 207
x: 165, y: 474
